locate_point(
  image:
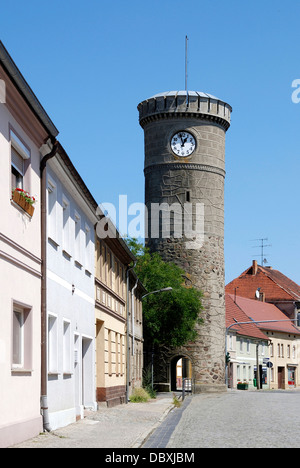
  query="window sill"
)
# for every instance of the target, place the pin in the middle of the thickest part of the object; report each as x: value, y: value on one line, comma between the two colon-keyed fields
x: 15, y: 205
x: 52, y: 242
x: 78, y: 265
x: 17, y: 370
x: 66, y: 255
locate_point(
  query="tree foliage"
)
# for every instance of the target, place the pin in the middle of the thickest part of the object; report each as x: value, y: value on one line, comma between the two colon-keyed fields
x: 169, y: 317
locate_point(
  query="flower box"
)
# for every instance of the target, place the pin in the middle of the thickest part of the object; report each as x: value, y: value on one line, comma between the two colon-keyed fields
x: 24, y: 201
x: 242, y: 386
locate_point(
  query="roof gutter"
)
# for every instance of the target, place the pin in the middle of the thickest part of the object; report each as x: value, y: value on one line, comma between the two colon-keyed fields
x: 44, y: 367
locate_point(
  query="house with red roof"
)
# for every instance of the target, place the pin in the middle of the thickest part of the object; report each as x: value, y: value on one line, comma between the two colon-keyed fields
x: 282, y: 334
x: 247, y: 348
x: 269, y: 285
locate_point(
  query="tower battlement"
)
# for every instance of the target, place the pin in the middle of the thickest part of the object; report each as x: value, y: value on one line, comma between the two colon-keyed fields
x: 185, y: 104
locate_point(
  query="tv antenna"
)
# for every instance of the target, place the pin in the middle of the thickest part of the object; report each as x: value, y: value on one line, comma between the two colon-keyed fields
x: 262, y: 246
x: 186, y: 68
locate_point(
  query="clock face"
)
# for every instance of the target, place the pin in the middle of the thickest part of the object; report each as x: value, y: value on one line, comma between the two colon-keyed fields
x: 183, y: 144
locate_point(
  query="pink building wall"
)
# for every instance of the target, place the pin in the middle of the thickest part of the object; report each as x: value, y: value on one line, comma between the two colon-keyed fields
x: 20, y: 276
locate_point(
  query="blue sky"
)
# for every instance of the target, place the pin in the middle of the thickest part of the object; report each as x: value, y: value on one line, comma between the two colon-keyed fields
x: 90, y: 64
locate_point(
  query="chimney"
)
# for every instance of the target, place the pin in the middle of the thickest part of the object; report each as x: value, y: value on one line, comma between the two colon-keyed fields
x: 254, y: 267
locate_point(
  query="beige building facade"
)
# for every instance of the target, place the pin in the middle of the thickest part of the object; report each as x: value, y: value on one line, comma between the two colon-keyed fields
x: 135, y: 363
x: 284, y: 355
x: 111, y: 295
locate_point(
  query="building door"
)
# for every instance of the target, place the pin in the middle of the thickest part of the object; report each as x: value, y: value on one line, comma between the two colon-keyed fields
x: 87, y: 372
x: 280, y: 377
x: 77, y: 377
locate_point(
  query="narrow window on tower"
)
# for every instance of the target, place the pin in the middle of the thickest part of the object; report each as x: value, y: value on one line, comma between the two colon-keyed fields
x: 188, y: 196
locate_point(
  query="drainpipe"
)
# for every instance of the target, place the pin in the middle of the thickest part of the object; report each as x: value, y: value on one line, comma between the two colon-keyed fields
x: 127, y: 335
x: 133, y: 315
x: 44, y: 370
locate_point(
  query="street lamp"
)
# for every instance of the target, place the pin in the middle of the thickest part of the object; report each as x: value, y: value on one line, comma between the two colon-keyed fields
x: 148, y: 294
x: 158, y: 291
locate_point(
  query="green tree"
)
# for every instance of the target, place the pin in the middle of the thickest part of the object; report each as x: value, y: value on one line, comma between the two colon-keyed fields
x: 169, y: 317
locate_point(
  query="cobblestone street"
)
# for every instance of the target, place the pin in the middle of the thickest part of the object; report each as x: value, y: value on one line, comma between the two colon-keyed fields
x: 240, y: 419
x: 236, y: 419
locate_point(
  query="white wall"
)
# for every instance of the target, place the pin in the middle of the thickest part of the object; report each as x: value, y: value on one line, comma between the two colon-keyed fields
x: 70, y: 301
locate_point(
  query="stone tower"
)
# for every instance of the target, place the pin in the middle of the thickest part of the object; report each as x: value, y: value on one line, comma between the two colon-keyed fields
x: 184, y: 176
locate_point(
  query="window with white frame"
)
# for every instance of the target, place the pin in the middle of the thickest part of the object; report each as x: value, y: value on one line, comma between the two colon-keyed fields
x: 20, y: 158
x: 18, y: 338
x: 52, y: 344
x: 241, y: 344
x: 66, y: 347
x: 66, y: 224
x: 77, y: 237
x: 117, y: 354
x: 248, y: 346
x: 230, y: 341
x: 21, y: 338
x: 52, y: 209
x: 17, y: 170
x: 121, y: 355
x: 88, y: 251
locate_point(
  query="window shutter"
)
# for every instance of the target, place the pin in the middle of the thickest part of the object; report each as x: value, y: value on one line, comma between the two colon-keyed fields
x: 17, y: 161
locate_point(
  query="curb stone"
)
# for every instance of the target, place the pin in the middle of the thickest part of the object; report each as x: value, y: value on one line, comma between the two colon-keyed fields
x: 159, y: 437
x: 145, y: 436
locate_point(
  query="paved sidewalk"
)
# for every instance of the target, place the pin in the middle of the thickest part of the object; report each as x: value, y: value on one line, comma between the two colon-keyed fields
x: 125, y: 426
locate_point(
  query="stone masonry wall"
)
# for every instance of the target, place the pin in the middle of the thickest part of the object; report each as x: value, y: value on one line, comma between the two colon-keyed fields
x: 198, y: 178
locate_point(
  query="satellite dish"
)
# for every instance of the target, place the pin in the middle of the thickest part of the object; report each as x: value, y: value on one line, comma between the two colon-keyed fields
x: 257, y: 293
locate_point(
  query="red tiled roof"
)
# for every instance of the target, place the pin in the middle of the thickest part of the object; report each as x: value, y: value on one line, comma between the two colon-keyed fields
x: 276, y: 286
x: 235, y: 314
x: 259, y: 311
x: 287, y: 285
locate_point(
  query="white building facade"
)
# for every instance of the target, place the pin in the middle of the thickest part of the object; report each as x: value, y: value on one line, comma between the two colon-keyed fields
x: 70, y: 293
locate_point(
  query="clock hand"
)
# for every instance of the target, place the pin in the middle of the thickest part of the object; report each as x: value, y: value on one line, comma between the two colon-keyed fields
x: 183, y: 142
